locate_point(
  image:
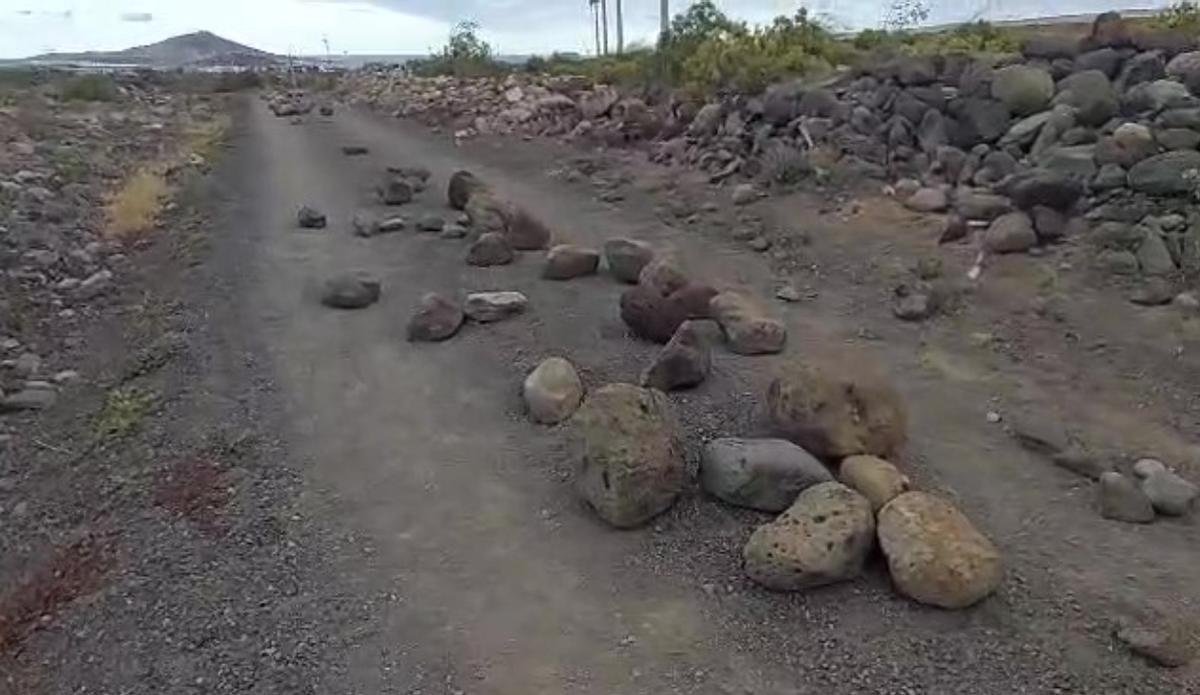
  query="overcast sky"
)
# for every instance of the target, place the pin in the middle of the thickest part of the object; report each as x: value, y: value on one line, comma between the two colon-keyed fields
x: 29, y: 27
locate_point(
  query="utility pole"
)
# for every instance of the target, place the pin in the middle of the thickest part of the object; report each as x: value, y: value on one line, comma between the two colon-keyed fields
x: 596, y: 22
x: 604, y: 21
x: 620, y: 29
x: 664, y: 15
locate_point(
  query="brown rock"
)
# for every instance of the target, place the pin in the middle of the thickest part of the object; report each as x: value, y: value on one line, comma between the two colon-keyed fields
x: 490, y: 249
x: 877, y: 480
x: 748, y: 327
x: 650, y: 315
x: 487, y: 213
x: 627, y: 258
x: 936, y: 556
x: 663, y: 275
x: 437, y: 319
x: 837, y: 412
x: 565, y: 262
x: 462, y: 185
x: 526, y: 232
x: 683, y: 363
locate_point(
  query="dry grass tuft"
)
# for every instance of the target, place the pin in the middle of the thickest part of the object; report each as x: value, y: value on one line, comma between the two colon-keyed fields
x: 134, y: 210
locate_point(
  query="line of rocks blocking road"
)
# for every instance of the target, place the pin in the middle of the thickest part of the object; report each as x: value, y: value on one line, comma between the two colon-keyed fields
x: 633, y: 464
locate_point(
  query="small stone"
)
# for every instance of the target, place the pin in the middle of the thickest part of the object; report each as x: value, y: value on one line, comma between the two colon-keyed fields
x: 1187, y: 300
x: 95, y: 285
x: 490, y: 249
x: 453, y: 231
x: 626, y: 258
x: 436, y: 319
x: 1164, y: 648
x: 488, y: 307
x: 365, y: 225
x: 788, y: 293
x: 395, y: 190
x: 1040, y: 434
x: 392, y: 224
x: 29, y: 399
x: 351, y: 291
x: 566, y: 262
x: 993, y: 417
x: 552, y: 391
x: 27, y: 365
x: 354, y: 150
x: 877, y: 480
x: 431, y: 223
x: 684, y: 361
x: 310, y: 218
x: 1121, y: 500
x: 744, y: 194
x: 760, y: 244
x: 67, y: 376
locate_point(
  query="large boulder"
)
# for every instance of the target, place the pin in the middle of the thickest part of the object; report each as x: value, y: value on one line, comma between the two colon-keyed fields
x: 1106, y: 60
x: 1010, y: 233
x: 1043, y: 187
x: 823, y: 538
x: 1169, y: 173
x: 526, y: 232
x: 978, y: 121
x: 1024, y: 89
x: 1155, y: 96
x: 633, y: 466
x: 978, y: 205
x: 935, y: 555
x: 598, y: 102
x: 351, y: 291
x: 764, y: 474
x: 462, y: 185
x: 1185, y: 67
x: 566, y: 262
x: 1109, y: 30
x: 436, y: 319
x: 684, y: 362
x: 310, y: 218
x: 552, y: 391
x: 780, y: 103
x: 706, y: 122
x: 1168, y: 492
x: 836, y: 412
x: 748, y: 326
x: 626, y: 258
x: 1091, y: 94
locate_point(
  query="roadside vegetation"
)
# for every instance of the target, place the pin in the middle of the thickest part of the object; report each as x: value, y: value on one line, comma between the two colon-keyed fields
x: 708, y: 52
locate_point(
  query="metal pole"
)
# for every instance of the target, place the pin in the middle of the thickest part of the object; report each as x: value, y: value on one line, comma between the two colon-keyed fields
x: 596, y: 23
x: 664, y: 15
x: 620, y: 29
x: 604, y: 21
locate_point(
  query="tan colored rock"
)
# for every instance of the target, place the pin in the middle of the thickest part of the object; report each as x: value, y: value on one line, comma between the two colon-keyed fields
x: 633, y: 466
x: 824, y: 537
x: 553, y: 391
x: 936, y: 556
x: 876, y: 479
x: 837, y: 411
x: 748, y: 326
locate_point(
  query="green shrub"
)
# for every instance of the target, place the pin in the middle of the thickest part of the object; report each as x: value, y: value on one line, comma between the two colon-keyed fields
x: 90, y: 88
x: 1182, y: 16
x: 464, y: 55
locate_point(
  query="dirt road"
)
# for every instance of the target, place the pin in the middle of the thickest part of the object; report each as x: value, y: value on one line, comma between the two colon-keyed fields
x: 443, y: 550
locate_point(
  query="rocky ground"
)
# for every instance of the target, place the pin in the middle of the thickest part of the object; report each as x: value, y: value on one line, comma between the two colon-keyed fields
x: 353, y: 420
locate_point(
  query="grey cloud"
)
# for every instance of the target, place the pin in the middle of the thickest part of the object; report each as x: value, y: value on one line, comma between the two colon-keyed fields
x: 137, y: 17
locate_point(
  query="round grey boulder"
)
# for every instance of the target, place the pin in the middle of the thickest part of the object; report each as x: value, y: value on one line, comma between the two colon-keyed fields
x: 351, y: 291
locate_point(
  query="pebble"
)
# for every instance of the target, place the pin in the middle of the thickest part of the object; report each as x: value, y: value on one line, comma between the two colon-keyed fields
x: 788, y: 293
x: 993, y: 417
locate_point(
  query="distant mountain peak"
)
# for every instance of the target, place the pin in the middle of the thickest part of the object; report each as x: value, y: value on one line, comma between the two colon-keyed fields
x: 198, y: 48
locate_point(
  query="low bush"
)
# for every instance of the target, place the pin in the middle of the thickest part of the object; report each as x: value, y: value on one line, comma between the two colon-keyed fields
x: 135, y: 208
x: 90, y: 88
x: 1182, y: 16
